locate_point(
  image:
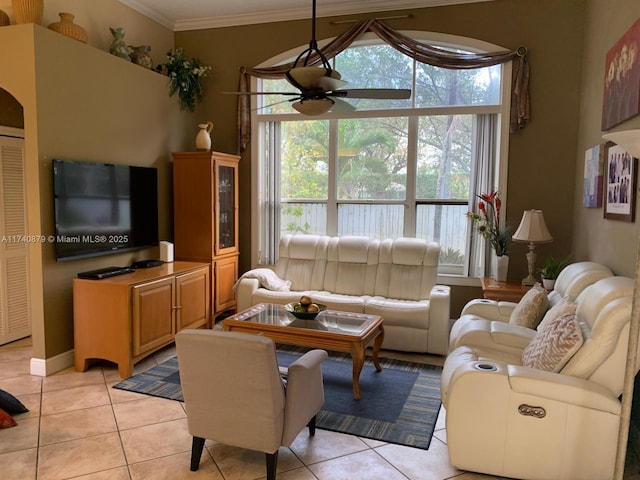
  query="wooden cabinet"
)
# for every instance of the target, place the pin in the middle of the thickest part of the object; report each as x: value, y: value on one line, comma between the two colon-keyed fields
x: 125, y: 318
x: 205, y: 218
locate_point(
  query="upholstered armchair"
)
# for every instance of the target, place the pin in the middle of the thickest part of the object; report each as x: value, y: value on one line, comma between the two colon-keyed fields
x: 550, y: 410
x: 234, y: 393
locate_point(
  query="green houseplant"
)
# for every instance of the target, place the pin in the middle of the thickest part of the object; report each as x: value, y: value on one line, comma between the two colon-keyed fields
x: 185, y: 77
x: 551, y: 269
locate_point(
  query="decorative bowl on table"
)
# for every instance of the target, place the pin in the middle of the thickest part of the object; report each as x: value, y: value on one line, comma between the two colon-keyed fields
x: 300, y: 311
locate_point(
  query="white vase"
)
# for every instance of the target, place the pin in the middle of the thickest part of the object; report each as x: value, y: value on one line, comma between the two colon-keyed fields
x: 500, y: 267
x: 203, y: 138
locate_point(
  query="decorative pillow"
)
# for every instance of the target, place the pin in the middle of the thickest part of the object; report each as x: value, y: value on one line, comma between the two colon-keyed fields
x: 11, y: 404
x: 268, y: 279
x: 6, y: 421
x: 565, y: 306
x: 554, y: 344
x: 531, y: 308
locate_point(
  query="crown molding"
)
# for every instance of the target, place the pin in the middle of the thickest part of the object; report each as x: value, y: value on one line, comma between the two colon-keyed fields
x: 149, y: 12
x: 269, y: 16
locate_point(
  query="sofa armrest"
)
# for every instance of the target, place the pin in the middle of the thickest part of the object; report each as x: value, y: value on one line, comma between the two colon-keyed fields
x: 439, y: 319
x: 470, y: 373
x: 489, y: 309
x: 562, y: 388
x: 244, y: 292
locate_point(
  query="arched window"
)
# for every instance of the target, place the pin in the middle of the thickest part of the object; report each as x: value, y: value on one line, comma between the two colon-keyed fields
x: 389, y: 168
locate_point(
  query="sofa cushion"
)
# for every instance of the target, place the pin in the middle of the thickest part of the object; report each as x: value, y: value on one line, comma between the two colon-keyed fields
x: 263, y: 295
x: 6, y: 421
x: 11, y: 404
x: 561, y: 308
x: 407, y: 313
x: 302, y: 260
x: 337, y: 301
x: 554, y: 344
x: 351, y: 265
x: 407, y: 269
x: 531, y: 308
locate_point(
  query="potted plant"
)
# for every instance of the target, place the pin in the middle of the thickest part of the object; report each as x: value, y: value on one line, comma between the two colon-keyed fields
x: 185, y: 77
x: 488, y: 225
x: 551, y: 270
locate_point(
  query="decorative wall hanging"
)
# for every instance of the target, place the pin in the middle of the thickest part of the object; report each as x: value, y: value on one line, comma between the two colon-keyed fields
x: 621, y: 98
x: 621, y: 183
x: 593, y: 177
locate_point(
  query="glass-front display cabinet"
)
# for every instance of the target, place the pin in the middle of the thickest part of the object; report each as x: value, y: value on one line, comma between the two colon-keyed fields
x: 205, y: 218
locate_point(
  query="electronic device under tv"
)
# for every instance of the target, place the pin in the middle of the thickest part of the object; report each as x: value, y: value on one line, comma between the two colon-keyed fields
x: 103, y: 208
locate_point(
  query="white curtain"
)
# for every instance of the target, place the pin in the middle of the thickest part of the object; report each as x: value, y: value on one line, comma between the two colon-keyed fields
x: 485, y: 154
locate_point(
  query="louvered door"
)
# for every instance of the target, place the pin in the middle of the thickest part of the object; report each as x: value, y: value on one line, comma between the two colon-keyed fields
x: 15, y: 319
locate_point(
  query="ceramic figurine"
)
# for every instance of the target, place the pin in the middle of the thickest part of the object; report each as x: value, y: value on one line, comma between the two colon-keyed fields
x: 141, y: 56
x: 118, y: 47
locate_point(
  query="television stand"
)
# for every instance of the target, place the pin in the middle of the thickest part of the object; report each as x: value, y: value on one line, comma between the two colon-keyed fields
x: 125, y: 318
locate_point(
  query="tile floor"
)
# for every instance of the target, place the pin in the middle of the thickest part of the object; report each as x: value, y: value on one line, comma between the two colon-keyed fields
x: 79, y: 427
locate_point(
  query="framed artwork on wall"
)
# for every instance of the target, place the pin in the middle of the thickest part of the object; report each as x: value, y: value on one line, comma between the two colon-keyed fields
x: 621, y: 96
x: 621, y: 183
x: 593, y: 177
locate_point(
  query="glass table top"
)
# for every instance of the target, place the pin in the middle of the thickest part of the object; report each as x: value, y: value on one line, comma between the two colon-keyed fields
x: 346, y: 323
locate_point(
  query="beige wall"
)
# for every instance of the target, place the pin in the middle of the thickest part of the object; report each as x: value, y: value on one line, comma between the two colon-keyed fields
x: 610, y: 242
x: 541, y: 158
x: 96, y: 16
x: 83, y: 104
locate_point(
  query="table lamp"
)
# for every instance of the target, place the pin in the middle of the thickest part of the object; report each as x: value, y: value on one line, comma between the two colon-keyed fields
x: 532, y: 230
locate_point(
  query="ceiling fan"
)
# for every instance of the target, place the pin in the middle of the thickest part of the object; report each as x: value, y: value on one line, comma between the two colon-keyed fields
x: 319, y: 86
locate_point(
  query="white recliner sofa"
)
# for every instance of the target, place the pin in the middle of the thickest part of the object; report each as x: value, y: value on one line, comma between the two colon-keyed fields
x: 551, y: 409
x: 486, y: 323
x: 393, y: 278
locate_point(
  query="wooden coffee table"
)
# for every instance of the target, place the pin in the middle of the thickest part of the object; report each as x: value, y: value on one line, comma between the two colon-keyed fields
x: 331, y: 330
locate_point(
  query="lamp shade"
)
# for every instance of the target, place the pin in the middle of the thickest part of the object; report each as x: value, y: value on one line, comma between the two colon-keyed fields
x: 532, y: 228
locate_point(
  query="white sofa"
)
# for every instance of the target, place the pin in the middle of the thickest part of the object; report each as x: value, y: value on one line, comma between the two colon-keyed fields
x: 506, y: 417
x: 393, y: 278
x: 485, y: 323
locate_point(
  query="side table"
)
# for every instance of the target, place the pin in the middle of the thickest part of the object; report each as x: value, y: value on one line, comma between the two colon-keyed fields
x: 509, y: 291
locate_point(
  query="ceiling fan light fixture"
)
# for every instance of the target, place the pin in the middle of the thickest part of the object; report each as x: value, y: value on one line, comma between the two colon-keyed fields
x: 314, y: 106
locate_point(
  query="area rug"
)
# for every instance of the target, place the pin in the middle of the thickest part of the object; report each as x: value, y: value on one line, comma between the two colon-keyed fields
x: 399, y: 405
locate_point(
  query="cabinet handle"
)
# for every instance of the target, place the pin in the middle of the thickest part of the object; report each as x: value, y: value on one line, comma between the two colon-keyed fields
x: 177, y: 307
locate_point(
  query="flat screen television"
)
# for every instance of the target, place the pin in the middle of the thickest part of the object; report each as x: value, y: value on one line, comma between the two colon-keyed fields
x: 102, y: 208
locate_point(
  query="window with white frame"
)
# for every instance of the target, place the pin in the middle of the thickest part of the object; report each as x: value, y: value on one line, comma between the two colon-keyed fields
x: 389, y: 168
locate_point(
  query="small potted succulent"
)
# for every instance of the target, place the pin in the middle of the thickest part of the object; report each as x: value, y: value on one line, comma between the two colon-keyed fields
x: 551, y: 269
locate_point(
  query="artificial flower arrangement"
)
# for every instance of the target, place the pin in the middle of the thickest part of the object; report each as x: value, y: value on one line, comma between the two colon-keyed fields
x: 185, y: 77
x: 488, y: 222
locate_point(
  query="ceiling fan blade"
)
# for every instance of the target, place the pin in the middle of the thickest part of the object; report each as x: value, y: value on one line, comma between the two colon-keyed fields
x: 260, y: 93
x: 374, y: 93
x: 330, y: 83
x: 274, y: 104
x: 309, y: 78
x: 341, y: 106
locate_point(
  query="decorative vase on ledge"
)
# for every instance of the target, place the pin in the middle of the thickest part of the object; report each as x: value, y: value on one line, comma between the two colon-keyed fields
x: 28, y: 11
x: 500, y: 268
x: 69, y: 29
x: 4, y: 19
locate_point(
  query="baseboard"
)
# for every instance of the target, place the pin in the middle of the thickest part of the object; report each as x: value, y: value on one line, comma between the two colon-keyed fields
x: 45, y: 367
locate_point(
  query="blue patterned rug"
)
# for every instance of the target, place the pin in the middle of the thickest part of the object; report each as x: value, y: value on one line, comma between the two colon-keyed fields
x: 399, y: 405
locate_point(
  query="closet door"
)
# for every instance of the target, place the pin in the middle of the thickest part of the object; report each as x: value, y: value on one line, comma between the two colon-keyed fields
x: 15, y: 322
